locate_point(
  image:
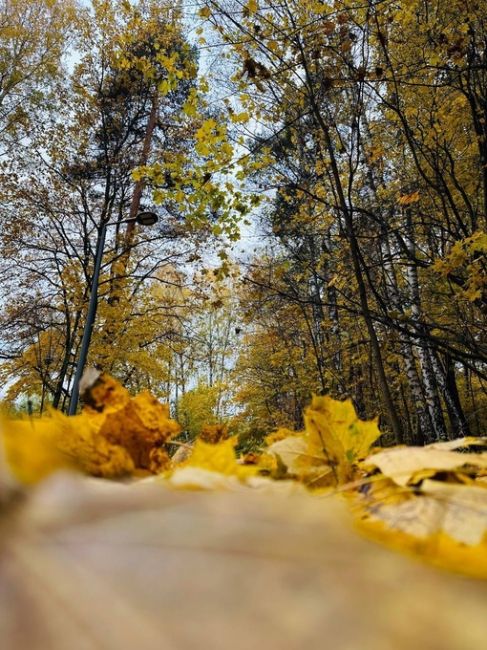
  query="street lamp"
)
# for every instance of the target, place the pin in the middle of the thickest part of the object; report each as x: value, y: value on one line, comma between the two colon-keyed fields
x: 145, y: 218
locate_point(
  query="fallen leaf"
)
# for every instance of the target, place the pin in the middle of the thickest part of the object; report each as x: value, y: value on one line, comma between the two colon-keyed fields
x: 335, y: 433
x: 31, y: 449
x: 220, y: 458
x: 293, y: 452
x: 402, y: 463
x: 464, y: 510
x: 142, y: 426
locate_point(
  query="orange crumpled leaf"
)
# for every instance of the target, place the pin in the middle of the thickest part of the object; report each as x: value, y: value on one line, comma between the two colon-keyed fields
x: 141, y: 427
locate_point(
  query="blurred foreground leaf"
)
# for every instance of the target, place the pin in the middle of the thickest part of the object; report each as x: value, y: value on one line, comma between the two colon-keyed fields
x: 86, y: 563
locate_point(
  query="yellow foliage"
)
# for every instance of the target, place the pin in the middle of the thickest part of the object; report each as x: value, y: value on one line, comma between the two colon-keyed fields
x: 466, y: 257
x: 430, y: 501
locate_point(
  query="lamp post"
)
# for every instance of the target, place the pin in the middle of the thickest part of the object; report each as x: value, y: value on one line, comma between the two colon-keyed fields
x: 144, y: 219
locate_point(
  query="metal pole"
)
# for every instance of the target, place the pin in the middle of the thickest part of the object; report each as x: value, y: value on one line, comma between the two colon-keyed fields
x: 90, y: 319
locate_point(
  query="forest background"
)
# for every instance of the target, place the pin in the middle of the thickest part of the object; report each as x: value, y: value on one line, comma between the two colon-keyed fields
x: 320, y: 175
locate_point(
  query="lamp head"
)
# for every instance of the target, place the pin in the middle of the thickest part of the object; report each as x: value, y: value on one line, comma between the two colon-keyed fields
x: 147, y: 218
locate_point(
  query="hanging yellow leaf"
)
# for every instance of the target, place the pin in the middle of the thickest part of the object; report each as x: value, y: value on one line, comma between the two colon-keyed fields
x: 204, y: 12
x: 251, y: 7
x: 408, y: 199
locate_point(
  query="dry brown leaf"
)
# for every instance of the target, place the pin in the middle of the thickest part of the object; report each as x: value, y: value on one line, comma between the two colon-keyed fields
x: 459, y: 443
x: 292, y: 451
x: 401, y: 463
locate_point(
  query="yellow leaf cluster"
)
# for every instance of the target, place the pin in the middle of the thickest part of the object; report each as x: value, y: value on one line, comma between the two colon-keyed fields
x: 466, y: 256
x: 431, y: 501
x: 142, y: 427
x: 37, y: 447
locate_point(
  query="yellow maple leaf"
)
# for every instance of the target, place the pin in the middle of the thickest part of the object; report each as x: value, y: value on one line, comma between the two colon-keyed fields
x: 335, y: 433
x: 212, y: 466
x: 216, y: 458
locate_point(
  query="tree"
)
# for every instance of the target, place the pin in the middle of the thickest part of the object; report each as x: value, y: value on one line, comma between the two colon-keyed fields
x: 76, y: 173
x: 356, y: 107
x: 34, y: 35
